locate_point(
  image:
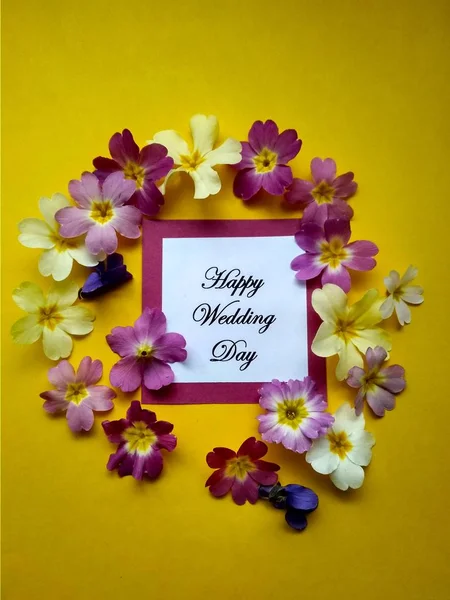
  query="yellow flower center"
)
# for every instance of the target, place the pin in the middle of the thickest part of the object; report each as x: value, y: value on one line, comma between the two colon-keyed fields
x: 139, y: 437
x: 292, y: 412
x: 323, y: 193
x: 76, y: 392
x: 48, y: 316
x: 190, y: 162
x: 265, y: 161
x: 333, y: 253
x: 144, y: 351
x: 62, y: 244
x: 239, y: 467
x: 102, y: 211
x: 339, y: 443
x: 344, y: 329
x: 134, y: 171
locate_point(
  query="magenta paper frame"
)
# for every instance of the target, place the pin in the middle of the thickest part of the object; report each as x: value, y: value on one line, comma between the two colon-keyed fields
x: 216, y: 393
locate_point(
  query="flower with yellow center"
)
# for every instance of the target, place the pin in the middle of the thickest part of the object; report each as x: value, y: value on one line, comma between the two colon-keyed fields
x: 347, y: 330
x: 51, y: 317
x: 199, y: 159
x: 59, y: 253
x: 400, y: 293
x: 344, y: 450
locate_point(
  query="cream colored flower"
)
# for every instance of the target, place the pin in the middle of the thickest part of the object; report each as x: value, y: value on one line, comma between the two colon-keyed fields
x: 344, y: 450
x: 347, y: 330
x: 400, y: 294
x: 59, y: 253
x: 53, y: 317
x: 199, y: 159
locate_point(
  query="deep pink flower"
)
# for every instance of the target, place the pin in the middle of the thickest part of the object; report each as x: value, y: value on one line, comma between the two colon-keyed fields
x: 264, y: 160
x: 295, y: 414
x: 100, y: 212
x: 327, y: 249
x: 76, y: 394
x: 143, y: 166
x: 242, y: 472
x: 145, y: 349
x: 324, y: 197
x: 140, y: 438
x: 376, y: 384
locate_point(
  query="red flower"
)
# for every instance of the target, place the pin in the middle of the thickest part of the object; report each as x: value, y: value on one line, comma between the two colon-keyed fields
x: 242, y: 472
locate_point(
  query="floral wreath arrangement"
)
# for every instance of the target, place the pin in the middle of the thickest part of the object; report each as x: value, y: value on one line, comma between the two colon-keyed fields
x: 111, y: 201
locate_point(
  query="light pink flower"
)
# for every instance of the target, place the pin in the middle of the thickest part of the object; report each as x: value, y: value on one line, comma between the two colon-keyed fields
x: 377, y: 385
x: 76, y: 394
x: 327, y: 250
x: 145, y: 349
x: 100, y: 212
x: 323, y: 197
x: 295, y: 414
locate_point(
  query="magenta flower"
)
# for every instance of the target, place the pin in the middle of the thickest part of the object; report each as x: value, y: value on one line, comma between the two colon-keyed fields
x: 295, y: 414
x: 327, y: 249
x: 76, y: 394
x: 377, y: 385
x: 264, y: 159
x: 140, y: 438
x: 100, y: 212
x: 143, y: 166
x: 145, y: 349
x: 324, y: 197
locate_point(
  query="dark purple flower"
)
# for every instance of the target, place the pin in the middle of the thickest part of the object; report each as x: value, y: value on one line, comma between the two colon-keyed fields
x: 106, y: 276
x: 298, y: 501
x: 144, y: 167
x: 264, y: 160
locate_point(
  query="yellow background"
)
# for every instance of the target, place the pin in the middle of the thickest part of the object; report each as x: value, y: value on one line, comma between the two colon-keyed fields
x: 365, y: 82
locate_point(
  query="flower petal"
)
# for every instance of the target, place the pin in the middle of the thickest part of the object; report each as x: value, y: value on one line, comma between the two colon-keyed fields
x: 413, y: 294
x: 61, y: 375
x: 175, y: 144
x: 263, y: 135
x: 90, y: 371
x: 355, y: 377
x: 82, y: 256
x: 323, y: 170
x: 55, y: 401
x: 228, y: 153
x: 205, y: 131
x: 360, y: 256
x: 206, y: 180
x: 77, y: 320
x: 296, y: 519
x: 403, y: 312
x: 264, y: 477
x: 344, y: 186
x: 310, y: 237
x: 215, y: 461
x: 157, y: 374
x: 375, y: 357
x: 300, y: 192
x: 330, y: 302
x: 320, y: 457
x: 326, y: 342
x: 345, y: 419
x: 55, y: 263
x: 307, y: 266
x: 337, y: 228
x: 387, y: 307
x: 392, y: 281
x: 252, y: 448
x: 393, y: 379
x: 347, y: 475
x: 100, y: 397
x: 62, y: 294
x: 221, y: 487
x: 123, y: 148
x: 276, y: 181
x: 73, y: 221
x: 127, y: 220
x: 379, y: 401
x: 29, y: 297
x: 301, y: 498
x: 57, y: 343
x: 126, y: 374
x: 123, y: 341
x: 26, y: 330
x: 371, y: 337
x: 150, y: 326
x: 80, y: 417
x: 170, y: 348
x: 101, y: 238
x: 153, y: 464
x: 155, y: 160
x: 247, y: 184
x: 287, y: 146
x: 348, y: 357
x: 84, y: 191
x: 366, y: 312
x: 410, y: 274
x: 35, y: 233
x: 50, y: 206
x: 118, y: 189
x: 338, y: 276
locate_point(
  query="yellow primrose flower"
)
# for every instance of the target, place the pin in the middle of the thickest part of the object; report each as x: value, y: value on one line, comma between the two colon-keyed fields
x: 53, y: 317
x: 347, y: 330
x: 199, y: 159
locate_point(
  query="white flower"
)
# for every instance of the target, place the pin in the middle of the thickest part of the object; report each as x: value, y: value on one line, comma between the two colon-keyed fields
x: 198, y: 160
x: 400, y: 293
x: 344, y: 450
x: 53, y: 317
x: 59, y: 253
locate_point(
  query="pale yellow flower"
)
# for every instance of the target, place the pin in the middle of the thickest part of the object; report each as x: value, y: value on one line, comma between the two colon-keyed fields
x: 400, y: 294
x: 53, y: 317
x: 347, y: 330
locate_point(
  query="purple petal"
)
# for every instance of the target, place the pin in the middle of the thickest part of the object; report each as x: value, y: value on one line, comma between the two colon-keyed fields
x: 380, y: 400
x: 149, y: 199
x: 153, y: 464
x: 167, y: 441
x: 138, y: 467
x: 246, y: 184
x: 344, y: 185
x: 337, y: 228
x: 150, y: 325
x: 90, y: 371
x: 155, y: 160
x: 310, y: 237
x: 136, y: 413
x: 394, y: 379
x: 307, y: 266
x: 74, y: 221
x: 287, y: 146
x: 123, y: 148
x: 359, y: 401
x: 339, y: 276
x: 301, y: 498
x: 157, y: 375
x: 275, y: 182
x: 86, y: 190
x: 170, y: 348
x: 127, y: 220
x: 375, y: 357
x: 300, y: 192
x: 101, y: 238
x: 323, y: 170
x: 100, y: 397
x: 118, y: 189
x: 248, y: 155
x: 106, y: 166
x: 339, y: 209
x: 296, y: 519
x: 126, y: 374
x: 55, y: 401
x: 61, y: 375
x: 114, y: 430
x: 316, y: 213
x: 359, y: 256
x: 123, y: 341
x: 355, y: 376
x: 79, y: 417
x: 126, y: 465
x: 263, y: 135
